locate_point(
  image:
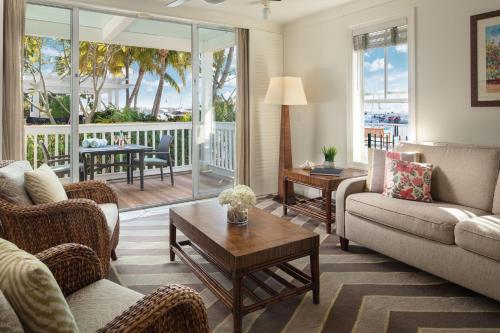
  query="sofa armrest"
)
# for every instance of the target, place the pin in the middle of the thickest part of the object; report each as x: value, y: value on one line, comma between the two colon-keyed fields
x: 346, y: 188
x: 74, y: 266
x: 172, y: 309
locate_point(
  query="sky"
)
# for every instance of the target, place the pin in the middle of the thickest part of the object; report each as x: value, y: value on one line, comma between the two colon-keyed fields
x: 170, y: 97
x: 397, y: 77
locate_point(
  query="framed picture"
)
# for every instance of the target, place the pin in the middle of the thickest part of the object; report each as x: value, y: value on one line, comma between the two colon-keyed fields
x: 485, y: 59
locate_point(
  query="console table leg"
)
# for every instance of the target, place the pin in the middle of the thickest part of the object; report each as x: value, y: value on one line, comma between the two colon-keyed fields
x: 173, y: 239
x: 328, y: 208
x: 315, y: 274
x: 285, y: 198
x: 237, y: 302
x: 344, y: 244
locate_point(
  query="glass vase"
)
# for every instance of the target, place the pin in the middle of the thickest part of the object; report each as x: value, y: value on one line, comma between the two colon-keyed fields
x: 236, y: 216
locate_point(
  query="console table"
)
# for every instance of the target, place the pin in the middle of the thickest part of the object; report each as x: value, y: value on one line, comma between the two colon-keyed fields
x: 321, y: 208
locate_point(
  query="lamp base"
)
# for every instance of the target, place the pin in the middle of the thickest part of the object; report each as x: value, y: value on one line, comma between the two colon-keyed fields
x: 285, y: 157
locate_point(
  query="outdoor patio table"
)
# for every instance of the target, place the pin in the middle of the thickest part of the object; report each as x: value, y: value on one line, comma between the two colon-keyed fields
x: 127, y: 150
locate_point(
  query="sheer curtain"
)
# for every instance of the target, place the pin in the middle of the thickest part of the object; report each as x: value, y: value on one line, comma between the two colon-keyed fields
x: 12, y: 106
x: 243, y: 109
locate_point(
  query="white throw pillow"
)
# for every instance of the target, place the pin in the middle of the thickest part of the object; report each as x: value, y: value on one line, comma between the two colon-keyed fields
x: 44, y: 186
x: 12, y: 183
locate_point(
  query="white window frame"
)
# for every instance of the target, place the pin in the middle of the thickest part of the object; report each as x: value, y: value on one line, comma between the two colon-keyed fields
x: 355, y: 123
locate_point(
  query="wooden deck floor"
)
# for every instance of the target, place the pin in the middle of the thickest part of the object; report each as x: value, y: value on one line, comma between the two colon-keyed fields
x: 160, y: 192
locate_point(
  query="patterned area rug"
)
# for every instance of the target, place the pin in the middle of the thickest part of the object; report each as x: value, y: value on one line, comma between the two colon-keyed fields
x: 361, y: 291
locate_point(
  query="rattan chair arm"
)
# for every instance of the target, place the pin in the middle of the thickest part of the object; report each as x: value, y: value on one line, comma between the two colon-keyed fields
x: 39, y: 227
x: 97, y: 191
x: 74, y: 266
x: 172, y: 309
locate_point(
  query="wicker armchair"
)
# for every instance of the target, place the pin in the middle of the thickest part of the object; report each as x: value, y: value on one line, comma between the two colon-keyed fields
x: 81, y: 219
x: 172, y: 308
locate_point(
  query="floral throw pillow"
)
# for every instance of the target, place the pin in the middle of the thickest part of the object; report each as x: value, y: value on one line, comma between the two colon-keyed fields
x: 378, y: 164
x: 409, y: 181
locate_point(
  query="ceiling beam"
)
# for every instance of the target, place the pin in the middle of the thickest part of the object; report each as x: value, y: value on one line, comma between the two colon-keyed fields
x: 114, y: 27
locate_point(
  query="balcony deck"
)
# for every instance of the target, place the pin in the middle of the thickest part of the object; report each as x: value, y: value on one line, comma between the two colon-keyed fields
x: 160, y: 192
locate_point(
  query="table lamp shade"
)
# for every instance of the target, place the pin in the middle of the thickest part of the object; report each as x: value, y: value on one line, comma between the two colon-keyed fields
x: 286, y: 90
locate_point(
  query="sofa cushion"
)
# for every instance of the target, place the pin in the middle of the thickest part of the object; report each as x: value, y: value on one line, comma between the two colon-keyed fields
x: 462, y: 175
x: 9, y: 322
x: 480, y: 235
x: 12, y: 183
x: 110, y: 211
x: 99, y: 303
x: 435, y: 221
x: 32, y: 291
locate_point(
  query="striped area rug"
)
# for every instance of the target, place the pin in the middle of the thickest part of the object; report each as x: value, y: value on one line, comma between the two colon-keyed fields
x: 361, y: 291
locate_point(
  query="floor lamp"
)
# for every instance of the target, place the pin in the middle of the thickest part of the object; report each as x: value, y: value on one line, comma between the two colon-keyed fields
x: 285, y: 91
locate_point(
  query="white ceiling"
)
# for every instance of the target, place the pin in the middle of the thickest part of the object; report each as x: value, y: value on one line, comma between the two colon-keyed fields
x: 281, y: 11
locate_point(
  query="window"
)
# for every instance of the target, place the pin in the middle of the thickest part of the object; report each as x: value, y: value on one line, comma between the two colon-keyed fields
x: 381, y: 112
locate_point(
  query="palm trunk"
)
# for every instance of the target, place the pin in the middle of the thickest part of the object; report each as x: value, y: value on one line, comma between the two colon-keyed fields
x: 159, y: 91
x: 137, y: 87
x: 127, y: 82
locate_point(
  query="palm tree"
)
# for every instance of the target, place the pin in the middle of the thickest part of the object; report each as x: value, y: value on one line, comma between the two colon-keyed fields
x: 144, y: 57
x: 222, y: 69
x: 179, y: 62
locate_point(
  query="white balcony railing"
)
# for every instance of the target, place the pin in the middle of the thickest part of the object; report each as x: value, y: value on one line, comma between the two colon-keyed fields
x: 57, y: 139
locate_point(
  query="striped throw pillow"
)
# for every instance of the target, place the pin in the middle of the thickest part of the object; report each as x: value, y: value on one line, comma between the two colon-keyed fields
x: 44, y: 186
x: 33, y: 293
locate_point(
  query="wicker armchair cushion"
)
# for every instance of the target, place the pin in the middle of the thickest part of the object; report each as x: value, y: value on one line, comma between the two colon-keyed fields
x: 110, y: 211
x: 12, y: 183
x: 9, y: 322
x: 33, y: 292
x: 99, y: 303
x: 44, y: 186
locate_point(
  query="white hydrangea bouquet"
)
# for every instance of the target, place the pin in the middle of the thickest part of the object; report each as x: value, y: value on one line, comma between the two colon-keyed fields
x: 238, y: 199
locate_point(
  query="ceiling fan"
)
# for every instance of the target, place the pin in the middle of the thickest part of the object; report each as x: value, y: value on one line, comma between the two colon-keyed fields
x: 266, y: 10
x: 177, y: 3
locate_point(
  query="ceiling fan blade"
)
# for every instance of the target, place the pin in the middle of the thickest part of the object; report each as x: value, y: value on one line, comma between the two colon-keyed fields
x: 175, y: 3
x: 214, y: 2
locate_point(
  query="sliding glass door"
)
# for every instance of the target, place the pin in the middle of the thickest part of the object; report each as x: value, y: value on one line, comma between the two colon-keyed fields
x: 160, y: 97
x: 214, y: 122
x: 47, y: 88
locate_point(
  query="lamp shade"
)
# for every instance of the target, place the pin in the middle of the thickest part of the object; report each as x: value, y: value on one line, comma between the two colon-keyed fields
x: 286, y: 90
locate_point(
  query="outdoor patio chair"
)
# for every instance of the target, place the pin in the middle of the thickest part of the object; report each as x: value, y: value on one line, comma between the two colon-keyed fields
x: 159, y: 158
x: 90, y: 217
x: 54, y: 161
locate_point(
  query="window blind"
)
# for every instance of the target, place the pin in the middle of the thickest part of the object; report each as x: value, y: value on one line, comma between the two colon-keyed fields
x: 381, y: 38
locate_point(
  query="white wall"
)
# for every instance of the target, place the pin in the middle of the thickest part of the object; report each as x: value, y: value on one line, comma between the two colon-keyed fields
x: 317, y: 48
x: 266, y: 61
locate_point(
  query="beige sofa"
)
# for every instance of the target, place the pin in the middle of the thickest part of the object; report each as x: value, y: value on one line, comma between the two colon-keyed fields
x: 457, y: 237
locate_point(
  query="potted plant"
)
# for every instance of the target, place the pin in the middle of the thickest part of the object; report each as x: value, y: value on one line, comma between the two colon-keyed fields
x: 329, y: 153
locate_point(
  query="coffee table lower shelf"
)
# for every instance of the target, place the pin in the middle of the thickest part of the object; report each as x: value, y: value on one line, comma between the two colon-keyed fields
x: 299, y: 283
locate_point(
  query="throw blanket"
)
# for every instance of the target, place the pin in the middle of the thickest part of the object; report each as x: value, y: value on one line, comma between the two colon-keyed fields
x: 94, y: 143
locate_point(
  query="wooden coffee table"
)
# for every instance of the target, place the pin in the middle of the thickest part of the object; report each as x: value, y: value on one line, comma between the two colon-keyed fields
x: 246, y: 255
